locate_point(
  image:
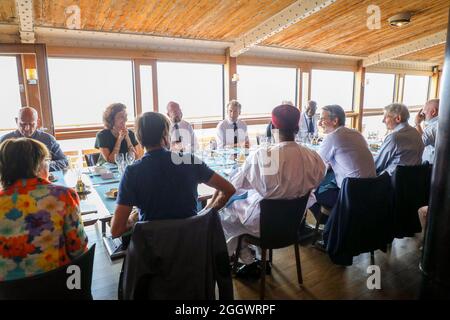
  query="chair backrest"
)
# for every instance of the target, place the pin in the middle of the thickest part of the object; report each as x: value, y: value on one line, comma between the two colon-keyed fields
x: 280, y: 221
x: 411, y: 192
x: 362, y: 219
x: 91, y: 159
x: 177, y: 259
x: 54, y: 285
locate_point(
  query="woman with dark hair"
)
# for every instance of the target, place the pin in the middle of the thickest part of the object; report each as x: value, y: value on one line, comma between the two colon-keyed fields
x: 116, y: 138
x: 40, y: 223
x: 163, y: 184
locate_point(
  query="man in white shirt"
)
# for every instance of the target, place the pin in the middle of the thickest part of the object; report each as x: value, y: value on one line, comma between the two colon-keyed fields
x: 182, y: 136
x: 429, y: 116
x: 309, y: 119
x: 403, y: 146
x: 343, y: 150
x: 232, y: 131
x: 285, y: 170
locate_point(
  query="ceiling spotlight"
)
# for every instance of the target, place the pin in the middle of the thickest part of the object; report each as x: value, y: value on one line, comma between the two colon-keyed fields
x: 400, y: 20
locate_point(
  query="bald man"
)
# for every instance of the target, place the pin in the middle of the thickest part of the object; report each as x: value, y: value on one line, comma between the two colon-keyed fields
x: 429, y: 116
x: 182, y: 136
x: 309, y: 119
x: 27, y: 121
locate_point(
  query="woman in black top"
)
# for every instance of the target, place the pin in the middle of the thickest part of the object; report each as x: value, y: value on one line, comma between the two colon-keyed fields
x: 116, y: 138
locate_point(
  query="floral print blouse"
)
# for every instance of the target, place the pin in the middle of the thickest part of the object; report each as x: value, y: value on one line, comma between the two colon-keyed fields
x: 40, y: 228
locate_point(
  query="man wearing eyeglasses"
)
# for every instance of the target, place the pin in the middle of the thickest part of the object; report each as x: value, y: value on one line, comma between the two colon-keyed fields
x: 27, y: 123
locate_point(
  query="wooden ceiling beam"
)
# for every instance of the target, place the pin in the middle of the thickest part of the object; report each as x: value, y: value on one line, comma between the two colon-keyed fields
x: 24, y: 10
x: 292, y: 14
x: 407, y: 48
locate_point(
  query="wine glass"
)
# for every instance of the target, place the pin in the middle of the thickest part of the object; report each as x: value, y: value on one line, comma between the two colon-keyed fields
x: 263, y: 140
x: 119, y: 159
x: 130, y: 157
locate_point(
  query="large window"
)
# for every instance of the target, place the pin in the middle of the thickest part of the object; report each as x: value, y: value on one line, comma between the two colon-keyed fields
x: 146, y: 88
x: 260, y: 89
x: 81, y: 89
x: 332, y: 87
x: 374, y: 127
x: 197, y: 87
x: 379, y: 90
x: 416, y: 90
x: 9, y: 92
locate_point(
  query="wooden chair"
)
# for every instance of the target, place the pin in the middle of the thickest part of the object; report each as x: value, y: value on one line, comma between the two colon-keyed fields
x: 280, y: 221
x: 52, y: 285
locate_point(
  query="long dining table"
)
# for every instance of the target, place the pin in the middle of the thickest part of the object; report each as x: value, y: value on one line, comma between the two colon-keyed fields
x: 97, y: 204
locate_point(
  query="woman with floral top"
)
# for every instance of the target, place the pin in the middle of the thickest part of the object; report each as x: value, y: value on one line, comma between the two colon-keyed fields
x: 40, y: 223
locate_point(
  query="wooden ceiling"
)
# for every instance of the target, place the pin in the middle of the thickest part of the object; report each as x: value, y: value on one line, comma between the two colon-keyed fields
x: 341, y: 28
x: 434, y: 54
x: 8, y: 11
x: 198, y: 19
x: 338, y: 29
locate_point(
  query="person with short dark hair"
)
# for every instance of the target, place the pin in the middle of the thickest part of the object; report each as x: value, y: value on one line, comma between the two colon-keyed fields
x: 115, y: 137
x: 163, y: 184
x: 284, y: 170
x: 27, y: 126
x: 345, y: 152
x: 403, y: 146
x: 40, y: 223
x: 232, y: 132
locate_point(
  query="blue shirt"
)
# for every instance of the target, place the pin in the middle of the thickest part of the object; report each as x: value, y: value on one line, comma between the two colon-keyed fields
x: 163, y: 185
x: 59, y: 160
x: 403, y: 146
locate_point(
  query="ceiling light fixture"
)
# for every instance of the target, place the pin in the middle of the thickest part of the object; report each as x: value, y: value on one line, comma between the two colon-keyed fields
x: 400, y: 20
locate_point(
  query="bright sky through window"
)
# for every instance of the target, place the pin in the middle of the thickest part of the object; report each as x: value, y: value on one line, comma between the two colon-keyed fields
x: 9, y: 93
x: 260, y: 89
x: 378, y: 90
x: 416, y: 90
x: 197, y: 87
x: 81, y: 89
x: 332, y: 87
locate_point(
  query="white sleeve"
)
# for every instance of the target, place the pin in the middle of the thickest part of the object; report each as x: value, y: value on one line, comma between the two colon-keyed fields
x: 220, y: 136
x: 193, y: 139
x: 246, y: 132
x: 316, y: 124
x: 326, y: 150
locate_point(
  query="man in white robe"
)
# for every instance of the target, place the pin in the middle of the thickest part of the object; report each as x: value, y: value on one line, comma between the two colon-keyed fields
x: 285, y: 170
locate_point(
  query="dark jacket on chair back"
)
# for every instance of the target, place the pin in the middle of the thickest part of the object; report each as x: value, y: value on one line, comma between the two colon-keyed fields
x: 178, y: 260
x: 411, y: 191
x: 361, y: 220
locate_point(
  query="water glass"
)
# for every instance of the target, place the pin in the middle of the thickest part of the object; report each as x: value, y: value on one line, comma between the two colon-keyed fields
x: 119, y: 159
x: 130, y: 157
x: 263, y: 140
